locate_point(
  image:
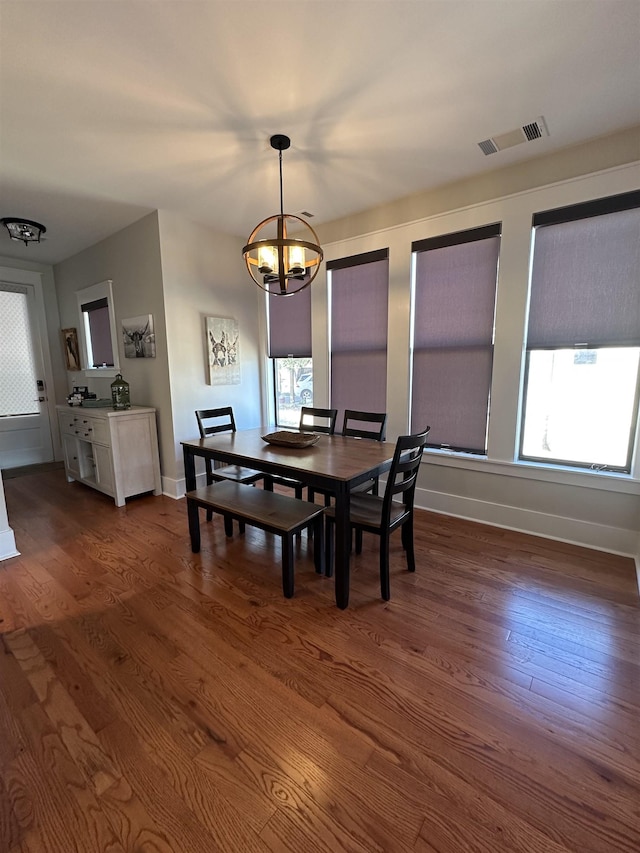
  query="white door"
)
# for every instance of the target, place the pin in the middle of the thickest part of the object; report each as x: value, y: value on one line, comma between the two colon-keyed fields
x: 25, y: 430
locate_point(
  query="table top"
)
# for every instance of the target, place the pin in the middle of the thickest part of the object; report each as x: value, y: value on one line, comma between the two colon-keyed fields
x: 334, y: 457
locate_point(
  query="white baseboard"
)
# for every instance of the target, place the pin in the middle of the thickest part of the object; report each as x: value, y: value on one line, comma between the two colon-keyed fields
x: 8, y: 544
x: 176, y: 488
x: 614, y: 540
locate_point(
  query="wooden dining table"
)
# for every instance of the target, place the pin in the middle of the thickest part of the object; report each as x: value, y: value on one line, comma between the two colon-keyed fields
x: 335, y: 464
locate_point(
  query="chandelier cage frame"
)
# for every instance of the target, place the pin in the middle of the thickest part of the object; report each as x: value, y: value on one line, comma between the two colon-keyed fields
x: 275, y: 263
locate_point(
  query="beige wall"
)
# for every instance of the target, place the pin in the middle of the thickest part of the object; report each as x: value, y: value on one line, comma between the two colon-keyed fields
x: 598, y: 510
x: 592, y: 156
x: 131, y: 259
x: 204, y: 275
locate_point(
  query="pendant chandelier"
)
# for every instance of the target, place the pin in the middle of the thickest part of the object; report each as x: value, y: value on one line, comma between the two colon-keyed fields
x: 24, y: 230
x: 278, y: 263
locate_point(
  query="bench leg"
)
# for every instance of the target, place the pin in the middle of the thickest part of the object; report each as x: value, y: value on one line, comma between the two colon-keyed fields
x: 287, y: 565
x: 228, y: 526
x: 194, y: 525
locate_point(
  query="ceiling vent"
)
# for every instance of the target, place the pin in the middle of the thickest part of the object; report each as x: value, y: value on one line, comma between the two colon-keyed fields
x: 527, y: 133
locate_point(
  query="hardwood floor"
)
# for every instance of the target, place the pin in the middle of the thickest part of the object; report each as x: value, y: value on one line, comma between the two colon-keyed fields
x: 156, y: 700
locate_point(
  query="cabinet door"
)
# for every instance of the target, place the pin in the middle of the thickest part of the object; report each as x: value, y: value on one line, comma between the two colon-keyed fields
x: 71, y: 456
x: 104, y: 468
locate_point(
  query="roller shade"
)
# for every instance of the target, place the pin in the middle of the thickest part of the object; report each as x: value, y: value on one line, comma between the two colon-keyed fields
x: 585, y: 281
x: 455, y: 290
x: 359, y: 322
x: 290, y: 325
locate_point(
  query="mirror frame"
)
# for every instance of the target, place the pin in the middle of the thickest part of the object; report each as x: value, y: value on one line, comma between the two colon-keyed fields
x: 101, y: 290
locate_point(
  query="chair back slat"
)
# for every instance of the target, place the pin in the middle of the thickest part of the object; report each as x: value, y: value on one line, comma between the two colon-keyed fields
x: 223, y: 421
x: 310, y: 415
x: 357, y: 430
x: 403, y: 474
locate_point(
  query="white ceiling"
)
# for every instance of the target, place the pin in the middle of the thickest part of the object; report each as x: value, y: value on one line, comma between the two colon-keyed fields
x: 110, y: 109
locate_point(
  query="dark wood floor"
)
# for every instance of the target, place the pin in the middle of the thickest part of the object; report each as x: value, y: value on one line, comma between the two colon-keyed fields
x: 155, y: 700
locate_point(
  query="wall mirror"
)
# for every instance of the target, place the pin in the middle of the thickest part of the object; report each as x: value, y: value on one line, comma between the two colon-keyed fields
x: 98, y: 329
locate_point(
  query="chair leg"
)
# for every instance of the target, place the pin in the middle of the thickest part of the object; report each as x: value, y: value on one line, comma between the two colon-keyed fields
x: 385, y: 589
x: 407, y: 536
x: 358, y: 540
x: 287, y: 565
x: 328, y: 547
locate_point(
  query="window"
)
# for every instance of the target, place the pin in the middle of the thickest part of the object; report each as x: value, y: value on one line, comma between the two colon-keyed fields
x: 18, y: 377
x: 98, y: 327
x: 454, y: 308
x: 580, y: 399
x: 359, y: 321
x: 289, y: 323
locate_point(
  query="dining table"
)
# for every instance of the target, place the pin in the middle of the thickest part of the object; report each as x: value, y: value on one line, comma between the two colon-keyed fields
x: 334, y: 463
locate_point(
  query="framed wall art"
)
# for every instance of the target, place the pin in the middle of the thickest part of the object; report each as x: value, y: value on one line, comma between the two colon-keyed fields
x: 222, y: 339
x: 138, y: 337
x: 71, y: 349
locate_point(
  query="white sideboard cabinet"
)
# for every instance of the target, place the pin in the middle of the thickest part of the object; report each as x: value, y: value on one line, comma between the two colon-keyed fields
x: 115, y: 452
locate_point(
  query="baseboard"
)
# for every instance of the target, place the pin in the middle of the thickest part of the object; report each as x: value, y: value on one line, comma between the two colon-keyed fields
x: 176, y: 488
x: 8, y: 544
x: 613, y: 540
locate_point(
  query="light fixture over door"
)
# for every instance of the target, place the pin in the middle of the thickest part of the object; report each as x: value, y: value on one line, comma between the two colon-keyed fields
x: 24, y: 230
x: 279, y: 263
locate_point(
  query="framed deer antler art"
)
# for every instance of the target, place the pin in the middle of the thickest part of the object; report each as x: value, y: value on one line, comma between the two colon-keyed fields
x: 223, y: 351
x: 138, y: 337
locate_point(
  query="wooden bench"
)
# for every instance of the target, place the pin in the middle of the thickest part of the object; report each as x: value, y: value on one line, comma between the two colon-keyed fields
x: 269, y: 511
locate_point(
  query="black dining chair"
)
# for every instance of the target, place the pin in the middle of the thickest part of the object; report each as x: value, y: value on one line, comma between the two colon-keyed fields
x: 312, y: 419
x: 382, y: 515
x: 357, y: 424
x: 211, y: 422
x: 371, y: 425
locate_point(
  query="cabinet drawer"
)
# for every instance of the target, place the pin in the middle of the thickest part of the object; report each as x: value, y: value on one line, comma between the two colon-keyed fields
x: 96, y: 429
x: 68, y: 422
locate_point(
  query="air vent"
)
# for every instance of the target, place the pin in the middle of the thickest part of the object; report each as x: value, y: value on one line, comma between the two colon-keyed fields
x: 488, y: 146
x: 527, y: 133
x: 306, y: 213
x: 532, y: 131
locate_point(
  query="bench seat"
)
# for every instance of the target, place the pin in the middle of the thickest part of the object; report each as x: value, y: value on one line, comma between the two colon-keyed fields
x: 268, y: 511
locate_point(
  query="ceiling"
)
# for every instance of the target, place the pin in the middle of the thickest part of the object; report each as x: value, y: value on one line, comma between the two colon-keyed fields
x: 109, y: 110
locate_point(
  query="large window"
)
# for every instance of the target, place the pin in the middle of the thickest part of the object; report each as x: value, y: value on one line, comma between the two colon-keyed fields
x: 289, y: 323
x: 359, y: 322
x: 580, y: 399
x: 454, y: 308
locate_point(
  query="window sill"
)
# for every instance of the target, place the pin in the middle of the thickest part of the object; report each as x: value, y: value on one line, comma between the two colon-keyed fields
x: 602, y: 480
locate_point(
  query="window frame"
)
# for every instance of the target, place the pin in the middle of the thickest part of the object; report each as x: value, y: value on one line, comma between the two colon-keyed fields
x: 556, y: 216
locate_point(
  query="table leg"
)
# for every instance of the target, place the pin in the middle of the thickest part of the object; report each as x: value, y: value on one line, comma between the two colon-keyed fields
x: 189, y: 469
x: 342, y: 546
